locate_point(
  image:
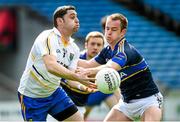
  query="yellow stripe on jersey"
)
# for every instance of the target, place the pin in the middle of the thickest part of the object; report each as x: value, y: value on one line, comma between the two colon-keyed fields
x: 133, y: 64
x: 41, y: 82
x: 74, y: 89
x: 133, y: 74
x: 32, y: 56
x: 121, y: 46
x: 48, y: 48
x: 39, y: 74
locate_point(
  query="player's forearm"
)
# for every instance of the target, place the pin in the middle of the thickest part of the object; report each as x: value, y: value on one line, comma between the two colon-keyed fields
x: 87, y: 64
x: 61, y: 71
x: 73, y: 84
x: 57, y: 69
x: 93, y: 71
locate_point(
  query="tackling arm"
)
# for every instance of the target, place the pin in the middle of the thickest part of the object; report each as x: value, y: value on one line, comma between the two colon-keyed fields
x: 109, y: 64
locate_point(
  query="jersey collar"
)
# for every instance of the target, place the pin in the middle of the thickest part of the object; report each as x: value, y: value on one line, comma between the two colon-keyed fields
x: 56, y: 31
x: 59, y: 34
x: 117, y: 44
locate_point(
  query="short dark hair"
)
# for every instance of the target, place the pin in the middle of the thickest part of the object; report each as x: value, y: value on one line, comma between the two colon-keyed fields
x: 60, y: 12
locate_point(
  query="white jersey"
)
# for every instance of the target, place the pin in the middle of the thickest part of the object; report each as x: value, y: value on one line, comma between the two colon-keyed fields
x: 36, y: 81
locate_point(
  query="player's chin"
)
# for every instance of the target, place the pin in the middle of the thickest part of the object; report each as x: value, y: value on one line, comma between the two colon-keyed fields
x: 76, y: 29
x: 94, y: 54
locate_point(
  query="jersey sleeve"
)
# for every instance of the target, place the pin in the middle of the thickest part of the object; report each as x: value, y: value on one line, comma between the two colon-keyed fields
x: 100, y: 58
x: 45, y: 44
x: 120, y: 58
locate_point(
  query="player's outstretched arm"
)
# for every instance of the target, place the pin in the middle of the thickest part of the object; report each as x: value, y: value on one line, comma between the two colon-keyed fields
x: 91, y: 67
x: 57, y: 69
x: 87, y: 63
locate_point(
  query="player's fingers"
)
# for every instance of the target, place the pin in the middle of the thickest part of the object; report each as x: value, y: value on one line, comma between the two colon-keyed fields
x: 95, y: 90
x: 91, y: 79
x: 89, y: 84
x: 89, y: 90
x: 92, y: 85
x: 80, y: 69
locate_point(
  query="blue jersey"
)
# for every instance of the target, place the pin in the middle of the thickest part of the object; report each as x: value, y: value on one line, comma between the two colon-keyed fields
x: 83, y: 56
x: 136, y: 78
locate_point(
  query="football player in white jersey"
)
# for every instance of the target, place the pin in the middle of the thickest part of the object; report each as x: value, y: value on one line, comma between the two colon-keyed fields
x: 53, y: 58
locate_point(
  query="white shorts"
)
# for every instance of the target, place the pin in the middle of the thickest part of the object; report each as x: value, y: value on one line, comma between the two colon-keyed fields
x: 135, y: 108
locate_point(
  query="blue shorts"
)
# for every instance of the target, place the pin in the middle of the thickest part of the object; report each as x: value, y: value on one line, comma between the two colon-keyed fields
x: 59, y: 105
x: 96, y: 98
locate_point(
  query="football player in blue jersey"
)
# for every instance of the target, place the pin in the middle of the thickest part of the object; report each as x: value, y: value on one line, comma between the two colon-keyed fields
x: 80, y: 94
x: 140, y: 95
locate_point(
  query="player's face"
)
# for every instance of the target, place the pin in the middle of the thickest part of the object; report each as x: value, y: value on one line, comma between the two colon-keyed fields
x: 112, y: 31
x: 71, y: 21
x: 94, y: 46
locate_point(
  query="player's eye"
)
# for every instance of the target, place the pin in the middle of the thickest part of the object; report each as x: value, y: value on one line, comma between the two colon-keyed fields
x: 92, y: 44
x: 98, y: 45
x: 114, y: 29
x: 72, y: 17
x: 107, y: 28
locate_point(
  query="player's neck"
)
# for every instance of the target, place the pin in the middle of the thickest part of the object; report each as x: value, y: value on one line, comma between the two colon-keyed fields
x: 65, y: 35
x: 113, y: 45
x: 115, y: 42
x: 88, y: 57
x: 65, y: 38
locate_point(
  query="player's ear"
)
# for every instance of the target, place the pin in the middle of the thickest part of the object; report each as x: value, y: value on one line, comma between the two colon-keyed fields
x: 123, y: 31
x: 59, y: 20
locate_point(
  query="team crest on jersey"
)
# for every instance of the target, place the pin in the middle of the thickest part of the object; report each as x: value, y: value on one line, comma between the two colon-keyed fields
x: 71, y: 56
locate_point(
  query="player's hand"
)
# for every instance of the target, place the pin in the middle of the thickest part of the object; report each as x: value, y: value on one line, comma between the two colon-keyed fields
x: 80, y: 69
x: 84, y: 79
x: 88, y: 71
x: 89, y: 84
x: 86, y: 89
